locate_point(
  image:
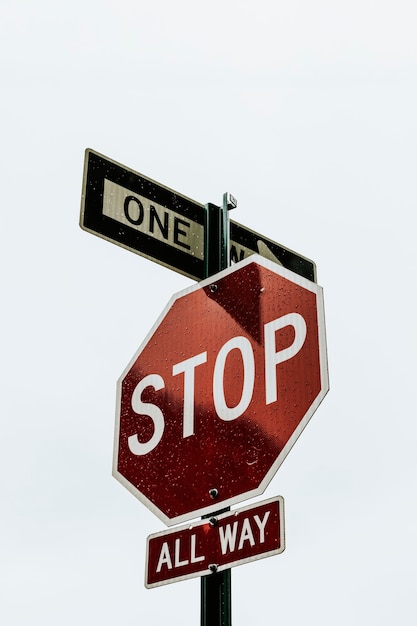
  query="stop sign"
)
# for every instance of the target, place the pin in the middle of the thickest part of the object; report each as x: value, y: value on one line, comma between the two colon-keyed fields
x: 221, y: 388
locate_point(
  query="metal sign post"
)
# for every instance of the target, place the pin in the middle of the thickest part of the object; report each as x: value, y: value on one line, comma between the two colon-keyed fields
x: 216, y: 588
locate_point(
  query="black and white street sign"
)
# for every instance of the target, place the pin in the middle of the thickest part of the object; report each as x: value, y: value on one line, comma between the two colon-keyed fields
x: 141, y: 215
x: 245, y: 242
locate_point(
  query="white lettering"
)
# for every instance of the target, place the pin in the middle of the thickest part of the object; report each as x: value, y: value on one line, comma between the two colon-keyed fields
x: 164, y: 558
x: 273, y: 358
x: 244, y: 346
x: 224, y: 412
x: 149, y: 409
x: 246, y: 535
x: 261, y: 525
x: 227, y: 536
x: 187, y: 368
x: 229, y: 533
x: 194, y: 558
x: 178, y: 562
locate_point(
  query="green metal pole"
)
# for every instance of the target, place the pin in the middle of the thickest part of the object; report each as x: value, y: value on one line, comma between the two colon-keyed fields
x: 216, y: 599
x: 216, y: 588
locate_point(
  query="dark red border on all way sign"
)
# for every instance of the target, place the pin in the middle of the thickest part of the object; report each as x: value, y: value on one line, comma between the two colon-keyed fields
x: 212, y: 545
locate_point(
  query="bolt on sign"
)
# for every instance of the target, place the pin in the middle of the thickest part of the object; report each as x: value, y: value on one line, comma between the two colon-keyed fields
x: 212, y: 545
x: 150, y: 219
x: 220, y: 390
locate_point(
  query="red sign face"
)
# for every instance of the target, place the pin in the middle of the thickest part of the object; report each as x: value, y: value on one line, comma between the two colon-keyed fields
x: 220, y: 390
x: 209, y: 546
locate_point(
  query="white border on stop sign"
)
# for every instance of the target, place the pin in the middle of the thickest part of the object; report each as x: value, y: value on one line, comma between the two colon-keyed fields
x: 292, y: 277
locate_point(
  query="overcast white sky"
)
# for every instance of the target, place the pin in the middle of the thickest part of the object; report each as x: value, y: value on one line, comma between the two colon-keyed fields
x: 306, y: 112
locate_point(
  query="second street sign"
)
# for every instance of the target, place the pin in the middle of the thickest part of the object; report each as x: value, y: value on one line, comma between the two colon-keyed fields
x: 215, y: 544
x: 145, y: 217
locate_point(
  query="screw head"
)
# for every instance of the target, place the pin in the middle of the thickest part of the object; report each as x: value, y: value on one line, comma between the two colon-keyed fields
x: 213, y: 493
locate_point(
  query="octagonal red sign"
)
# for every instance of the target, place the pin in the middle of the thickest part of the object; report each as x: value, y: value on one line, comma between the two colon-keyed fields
x: 220, y: 390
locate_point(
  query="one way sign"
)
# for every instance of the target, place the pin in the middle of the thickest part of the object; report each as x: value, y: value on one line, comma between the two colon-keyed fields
x: 145, y: 217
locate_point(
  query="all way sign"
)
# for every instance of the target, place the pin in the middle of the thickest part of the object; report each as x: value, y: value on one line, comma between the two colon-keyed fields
x: 215, y: 544
x: 145, y: 217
